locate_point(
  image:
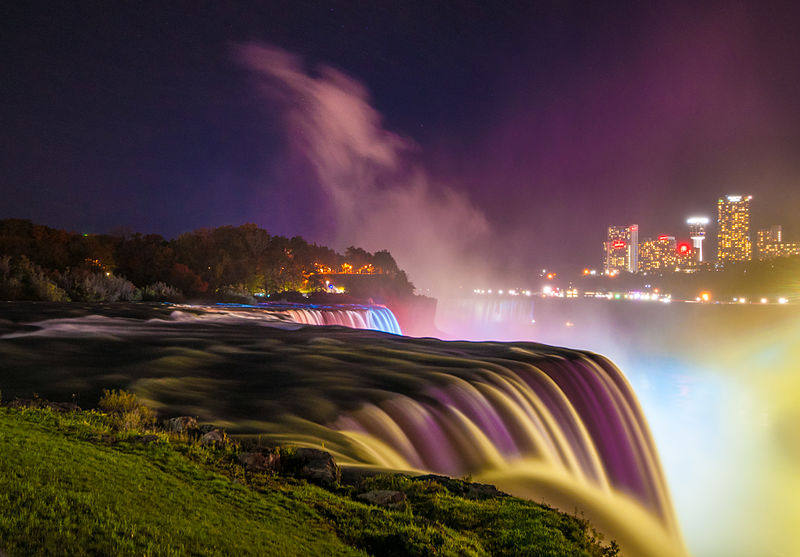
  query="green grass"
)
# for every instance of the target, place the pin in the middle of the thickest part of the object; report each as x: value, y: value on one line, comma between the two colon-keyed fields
x: 63, y: 495
x: 73, y: 484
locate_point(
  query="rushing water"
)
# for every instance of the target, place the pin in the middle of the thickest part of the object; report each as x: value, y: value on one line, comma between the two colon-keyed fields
x: 720, y: 388
x: 376, y: 318
x: 556, y: 425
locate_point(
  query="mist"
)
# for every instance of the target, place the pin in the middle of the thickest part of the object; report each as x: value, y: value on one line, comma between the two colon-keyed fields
x: 380, y: 196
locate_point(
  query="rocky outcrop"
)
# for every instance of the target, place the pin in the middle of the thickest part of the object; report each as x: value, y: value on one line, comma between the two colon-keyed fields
x: 42, y: 403
x: 394, y: 500
x: 261, y: 462
x: 316, y: 466
x: 145, y: 439
x: 465, y: 489
x: 214, y: 437
x: 182, y: 424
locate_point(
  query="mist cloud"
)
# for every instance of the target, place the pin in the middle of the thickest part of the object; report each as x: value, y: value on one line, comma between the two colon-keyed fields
x: 382, y: 199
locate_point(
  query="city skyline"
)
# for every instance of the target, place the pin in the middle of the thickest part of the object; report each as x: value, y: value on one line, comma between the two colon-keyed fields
x: 459, y: 136
x: 736, y: 241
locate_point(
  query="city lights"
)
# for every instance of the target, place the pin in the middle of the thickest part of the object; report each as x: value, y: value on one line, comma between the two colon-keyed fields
x: 733, y: 229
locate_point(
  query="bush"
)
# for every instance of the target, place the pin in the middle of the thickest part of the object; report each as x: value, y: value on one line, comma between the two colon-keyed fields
x: 161, y: 292
x: 21, y: 279
x: 87, y: 286
x: 235, y: 293
x: 125, y: 410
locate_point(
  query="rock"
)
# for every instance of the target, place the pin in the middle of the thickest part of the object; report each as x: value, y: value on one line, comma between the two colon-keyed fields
x: 213, y: 437
x: 389, y: 499
x: 42, y: 403
x: 317, y: 466
x: 63, y: 406
x: 182, y: 424
x: 146, y: 439
x: 259, y: 462
x: 206, y: 428
x: 465, y: 489
x: 354, y: 475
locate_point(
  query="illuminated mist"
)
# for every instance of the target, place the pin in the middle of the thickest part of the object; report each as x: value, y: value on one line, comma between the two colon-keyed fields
x: 720, y: 388
x: 381, y: 199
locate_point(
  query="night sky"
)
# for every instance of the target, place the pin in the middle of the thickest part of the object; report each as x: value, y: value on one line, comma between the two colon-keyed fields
x: 500, y: 136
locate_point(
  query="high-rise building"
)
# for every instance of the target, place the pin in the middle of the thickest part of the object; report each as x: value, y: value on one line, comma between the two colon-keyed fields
x: 770, y: 244
x: 657, y: 255
x: 733, y: 229
x: 665, y: 254
x: 622, y: 249
x: 697, y: 232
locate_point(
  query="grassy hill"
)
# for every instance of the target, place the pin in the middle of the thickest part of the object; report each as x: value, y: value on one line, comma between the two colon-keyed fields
x: 75, y: 483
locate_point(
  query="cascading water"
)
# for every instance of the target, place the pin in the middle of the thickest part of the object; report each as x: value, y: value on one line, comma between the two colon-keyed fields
x: 487, y: 316
x: 376, y: 318
x: 545, y: 423
x: 569, y: 418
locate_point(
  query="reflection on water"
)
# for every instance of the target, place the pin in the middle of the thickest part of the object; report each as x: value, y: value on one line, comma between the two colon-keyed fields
x: 551, y: 424
x: 720, y: 388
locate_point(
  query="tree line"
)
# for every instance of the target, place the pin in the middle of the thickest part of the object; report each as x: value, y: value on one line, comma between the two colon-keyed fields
x: 42, y: 263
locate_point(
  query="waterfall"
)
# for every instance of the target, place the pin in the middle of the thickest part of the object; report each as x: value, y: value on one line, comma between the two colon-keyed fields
x: 578, y: 416
x: 566, y: 418
x: 550, y: 424
x: 376, y: 318
x: 485, y: 316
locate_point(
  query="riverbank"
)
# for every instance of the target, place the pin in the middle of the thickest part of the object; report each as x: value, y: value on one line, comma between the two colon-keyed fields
x: 76, y: 482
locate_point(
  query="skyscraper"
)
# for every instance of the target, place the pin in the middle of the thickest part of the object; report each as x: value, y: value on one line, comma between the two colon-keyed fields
x: 697, y: 232
x: 622, y: 249
x: 733, y: 229
x: 658, y: 255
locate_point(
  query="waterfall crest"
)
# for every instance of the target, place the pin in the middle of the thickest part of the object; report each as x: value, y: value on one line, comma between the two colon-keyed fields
x: 567, y: 418
x: 354, y: 316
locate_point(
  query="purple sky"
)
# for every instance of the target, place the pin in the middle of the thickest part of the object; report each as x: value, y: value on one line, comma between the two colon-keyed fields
x: 449, y: 133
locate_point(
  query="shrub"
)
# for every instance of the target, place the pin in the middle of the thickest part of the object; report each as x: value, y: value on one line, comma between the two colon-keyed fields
x: 88, y: 286
x: 161, y: 292
x: 125, y: 410
x: 235, y: 293
x: 21, y: 279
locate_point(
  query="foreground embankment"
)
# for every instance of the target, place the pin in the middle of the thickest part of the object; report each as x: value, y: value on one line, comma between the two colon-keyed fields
x: 78, y: 482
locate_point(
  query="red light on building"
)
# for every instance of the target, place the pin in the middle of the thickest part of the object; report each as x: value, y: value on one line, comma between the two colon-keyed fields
x: 619, y: 244
x: 663, y: 238
x: 683, y: 247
